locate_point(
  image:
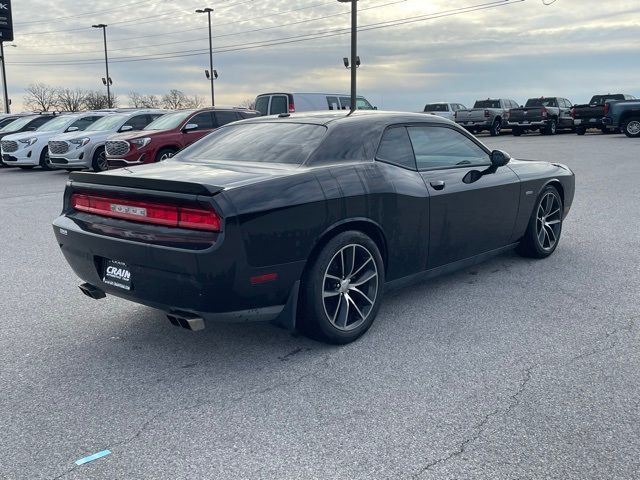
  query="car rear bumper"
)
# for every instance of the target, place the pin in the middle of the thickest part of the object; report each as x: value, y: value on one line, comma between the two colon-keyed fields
x: 589, y: 122
x: 534, y: 123
x: 213, y: 283
x: 475, y: 124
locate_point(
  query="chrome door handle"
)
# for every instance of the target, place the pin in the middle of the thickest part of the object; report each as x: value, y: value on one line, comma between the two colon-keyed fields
x: 437, y: 184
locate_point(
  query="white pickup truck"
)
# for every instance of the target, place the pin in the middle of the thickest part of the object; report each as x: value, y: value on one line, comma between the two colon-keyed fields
x: 489, y: 114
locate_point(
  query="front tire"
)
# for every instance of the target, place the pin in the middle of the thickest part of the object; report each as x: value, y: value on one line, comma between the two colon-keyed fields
x: 45, y: 162
x: 631, y: 127
x: 496, y: 126
x: 516, y: 131
x: 342, y: 290
x: 165, y: 154
x: 99, y: 162
x: 581, y: 130
x: 545, y: 225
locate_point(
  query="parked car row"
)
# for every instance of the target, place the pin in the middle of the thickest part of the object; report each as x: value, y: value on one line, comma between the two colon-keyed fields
x: 548, y: 115
x: 99, y: 140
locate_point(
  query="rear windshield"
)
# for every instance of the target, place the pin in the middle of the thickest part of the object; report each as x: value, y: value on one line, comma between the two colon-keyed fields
x: 436, y: 107
x: 541, y: 102
x: 169, y: 121
x: 487, y: 104
x: 602, y: 99
x: 290, y: 143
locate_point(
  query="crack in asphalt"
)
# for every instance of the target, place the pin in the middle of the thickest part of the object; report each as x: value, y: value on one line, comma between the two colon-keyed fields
x: 514, y: 400
x: 233, y: 401
x: 479, y: 428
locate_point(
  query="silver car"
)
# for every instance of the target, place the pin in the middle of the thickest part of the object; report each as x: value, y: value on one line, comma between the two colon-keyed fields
x: 81, y: 150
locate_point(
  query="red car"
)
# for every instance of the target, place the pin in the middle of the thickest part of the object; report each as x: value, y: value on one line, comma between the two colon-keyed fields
x: 169, y: 134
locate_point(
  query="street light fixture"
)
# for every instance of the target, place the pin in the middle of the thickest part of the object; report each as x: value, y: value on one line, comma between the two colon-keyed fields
x: 355, y: 60
x: 209, y: 11
x: 106, y: 81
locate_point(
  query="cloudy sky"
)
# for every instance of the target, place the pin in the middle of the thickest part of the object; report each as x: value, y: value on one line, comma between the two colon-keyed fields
x: 420, y: 50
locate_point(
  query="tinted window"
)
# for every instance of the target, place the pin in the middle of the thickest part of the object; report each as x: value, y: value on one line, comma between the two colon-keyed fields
x: 222, y: 118
x: 279, y: 104
x: 137, y: 122
x: 487, y: 104
x: 40, y: 121
x: 333, y: 103
x: 6, y: 121
x: 262, y: 104
x: 203, y: 120
x: 344, y: 144
x: 436, y: 107
x: 345, y: 103
x: 83, y: 123
x: 437, y: 147
x: 541, y: 102
x: 395, y: 147
x: 257, y: 142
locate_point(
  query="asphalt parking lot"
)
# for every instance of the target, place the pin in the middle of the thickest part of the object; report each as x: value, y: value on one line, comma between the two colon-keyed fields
x: 514, y: 369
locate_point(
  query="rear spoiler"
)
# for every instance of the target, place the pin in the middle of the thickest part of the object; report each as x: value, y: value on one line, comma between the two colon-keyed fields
x: 160, y: 185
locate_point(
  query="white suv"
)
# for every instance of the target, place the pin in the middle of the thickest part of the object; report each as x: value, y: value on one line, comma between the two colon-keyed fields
x: 29, y: 149
x: 86, y: 150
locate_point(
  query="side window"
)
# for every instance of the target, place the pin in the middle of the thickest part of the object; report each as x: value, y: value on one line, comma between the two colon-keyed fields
x: 38, y: 122
x: 222, y: 118
x: 333, y: 103
x: 279, y: 104
x: 363, y: 104
x: 568, y: 103
x: 153, y: 116
x: 137, y: 122
x: 83, y: 123
x: 395, y: 147
x: 203, y: 120
x: 441, y: 147
x: 262, y: 104
x: 345, y: 103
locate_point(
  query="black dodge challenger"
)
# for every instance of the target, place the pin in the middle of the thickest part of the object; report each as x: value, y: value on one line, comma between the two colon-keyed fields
x: 305, y: 219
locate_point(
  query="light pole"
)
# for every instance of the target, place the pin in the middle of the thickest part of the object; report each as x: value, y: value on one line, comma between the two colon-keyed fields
x: 209, y: 11
x: 7, y: 103
x: 107, y: 81
x: 354, y: 50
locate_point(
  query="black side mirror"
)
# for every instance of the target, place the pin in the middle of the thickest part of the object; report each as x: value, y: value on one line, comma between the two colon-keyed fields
x: 499, y: 158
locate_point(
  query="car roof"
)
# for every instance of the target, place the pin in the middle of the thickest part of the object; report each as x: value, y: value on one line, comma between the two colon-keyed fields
x: 364, y: 116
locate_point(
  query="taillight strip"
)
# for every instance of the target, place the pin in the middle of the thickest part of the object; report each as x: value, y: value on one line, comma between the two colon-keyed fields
x: 157, y: 213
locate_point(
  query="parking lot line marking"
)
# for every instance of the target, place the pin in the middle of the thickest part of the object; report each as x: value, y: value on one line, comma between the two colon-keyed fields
x: 93, y: 457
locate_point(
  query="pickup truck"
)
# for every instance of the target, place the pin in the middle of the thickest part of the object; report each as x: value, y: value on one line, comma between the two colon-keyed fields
x: 590, y: 115
x: 489, y: 114
x: 546, y: 114
x: 444, y: 109
x: 623, y: 115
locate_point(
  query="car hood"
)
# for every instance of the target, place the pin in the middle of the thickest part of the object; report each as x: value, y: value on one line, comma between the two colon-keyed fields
x: 189, y: 177
x: 92, y: 134
x: 137, y: 134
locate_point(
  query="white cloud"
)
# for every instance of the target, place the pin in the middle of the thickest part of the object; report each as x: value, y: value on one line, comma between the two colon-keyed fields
x: 572, y: 48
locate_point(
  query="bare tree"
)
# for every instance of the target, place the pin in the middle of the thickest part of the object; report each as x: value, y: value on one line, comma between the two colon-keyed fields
x: 136, y: 100
x: 95, y: 100
x: 40, y: 96
x: 150, y: 101
x: 174, y: 99
x: 248, y: 103
x: 71, y: 100
x: 194, y: 102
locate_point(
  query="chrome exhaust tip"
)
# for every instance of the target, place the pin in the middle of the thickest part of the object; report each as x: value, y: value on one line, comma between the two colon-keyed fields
x: 187, y: 321
x: 92, y: 291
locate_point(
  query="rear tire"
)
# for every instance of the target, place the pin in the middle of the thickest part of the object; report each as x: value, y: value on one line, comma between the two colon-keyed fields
x: 165, y: 154
x: 631, y: 127
x: 99, y: 162
x: 551, y: 128
x: 495, y: 128
x: 516, y: 131
x: 26, y: 167
x: 545, y: 226
x: 45, y: 162
x: 581, y: 130
x: 342, y: 290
